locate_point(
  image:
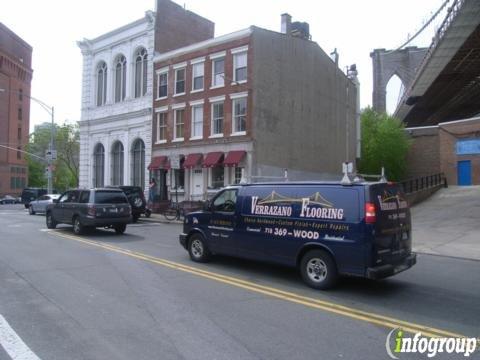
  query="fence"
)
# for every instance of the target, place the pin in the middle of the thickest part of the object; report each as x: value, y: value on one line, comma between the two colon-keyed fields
x: 423, y: 183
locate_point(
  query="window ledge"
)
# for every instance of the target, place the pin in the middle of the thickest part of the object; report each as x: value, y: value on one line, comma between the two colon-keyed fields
x: 179, y: 94
x: 196, y: 91
x: 196, y: 138
x: 160, y: 98
x: 178, y: 140
x: 239, y: 133
x: 239, y: 82
x: 160, y: 142
x: 215, y: 136
x: 217, y: 86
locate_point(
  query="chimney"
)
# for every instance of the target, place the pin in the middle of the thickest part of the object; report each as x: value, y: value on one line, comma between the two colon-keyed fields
x: 286, y: 24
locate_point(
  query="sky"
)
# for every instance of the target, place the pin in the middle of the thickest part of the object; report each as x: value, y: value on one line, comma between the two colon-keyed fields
x: 353, y: 27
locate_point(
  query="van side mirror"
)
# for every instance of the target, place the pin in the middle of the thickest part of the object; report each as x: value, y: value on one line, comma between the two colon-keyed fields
x: 206, y: 205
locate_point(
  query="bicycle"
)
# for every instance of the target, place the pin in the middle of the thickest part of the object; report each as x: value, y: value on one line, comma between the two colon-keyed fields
x: 174, y: 212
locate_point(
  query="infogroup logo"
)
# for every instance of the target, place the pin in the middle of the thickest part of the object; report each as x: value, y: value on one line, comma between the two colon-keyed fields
x: 427, y: 345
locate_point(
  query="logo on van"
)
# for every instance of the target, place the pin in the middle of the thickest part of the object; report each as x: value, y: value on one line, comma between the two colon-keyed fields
x: 279, y: 205
x: 386, y: 202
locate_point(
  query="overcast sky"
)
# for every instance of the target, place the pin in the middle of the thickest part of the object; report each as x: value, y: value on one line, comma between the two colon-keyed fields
x: 355, y: 28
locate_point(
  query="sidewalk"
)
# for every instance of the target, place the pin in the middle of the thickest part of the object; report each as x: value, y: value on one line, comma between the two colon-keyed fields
x: 159, y: 218
x: 448, y: 223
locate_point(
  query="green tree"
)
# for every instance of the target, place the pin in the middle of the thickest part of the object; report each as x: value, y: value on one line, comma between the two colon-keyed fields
x: 67, y: 163
x: 384, y: 143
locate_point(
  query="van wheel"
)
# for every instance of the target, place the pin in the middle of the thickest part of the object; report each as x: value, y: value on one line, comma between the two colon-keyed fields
x: 51, y: 223
x: 197, y: 249
x: 77, y: 226
x: 120, y: 229
x: 318, y: 269
x: 30, y: 210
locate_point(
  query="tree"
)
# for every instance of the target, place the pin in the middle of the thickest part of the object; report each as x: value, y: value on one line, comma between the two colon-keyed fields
x: 384, y: 143
x: 67, y: 163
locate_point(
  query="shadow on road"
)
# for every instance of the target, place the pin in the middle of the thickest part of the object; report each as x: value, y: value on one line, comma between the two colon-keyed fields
x: 104, y: 235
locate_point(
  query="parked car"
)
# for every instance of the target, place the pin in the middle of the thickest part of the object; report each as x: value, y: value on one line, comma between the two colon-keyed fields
x: 108, y: 208
x: 324, y: 229
x: 8, y: 199
x: 40, y: 205
x: 30, y: 194
x: 137, y: 201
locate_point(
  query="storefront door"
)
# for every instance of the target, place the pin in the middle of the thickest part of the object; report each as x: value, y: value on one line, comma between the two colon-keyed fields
x: 197, y: 184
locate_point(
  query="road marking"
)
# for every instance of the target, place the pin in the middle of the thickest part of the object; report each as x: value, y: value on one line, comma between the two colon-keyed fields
x: 335, y: 308
x: 13, y: 344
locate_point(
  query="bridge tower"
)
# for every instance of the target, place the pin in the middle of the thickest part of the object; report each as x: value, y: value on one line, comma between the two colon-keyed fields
x: 387, y: 63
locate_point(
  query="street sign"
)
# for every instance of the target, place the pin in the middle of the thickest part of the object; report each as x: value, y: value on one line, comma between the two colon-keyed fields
x: 51, y: 155
x: 175, y: 161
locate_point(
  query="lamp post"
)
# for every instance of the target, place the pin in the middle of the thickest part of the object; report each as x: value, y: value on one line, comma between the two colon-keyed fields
x: 51, y: 111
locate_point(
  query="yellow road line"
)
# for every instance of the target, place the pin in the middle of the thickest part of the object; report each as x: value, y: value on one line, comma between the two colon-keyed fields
x: 350, y: 312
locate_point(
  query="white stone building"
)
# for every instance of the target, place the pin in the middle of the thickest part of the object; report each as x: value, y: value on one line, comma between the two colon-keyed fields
x: 115, y: 125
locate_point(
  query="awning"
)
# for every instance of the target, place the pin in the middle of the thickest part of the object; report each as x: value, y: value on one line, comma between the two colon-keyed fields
x: 213, y: 159
x: 234, y: 157
x: 192, y: 160
x: 158, y: 162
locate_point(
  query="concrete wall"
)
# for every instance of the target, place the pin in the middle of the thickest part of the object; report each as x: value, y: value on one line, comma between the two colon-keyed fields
x: 301, y: 109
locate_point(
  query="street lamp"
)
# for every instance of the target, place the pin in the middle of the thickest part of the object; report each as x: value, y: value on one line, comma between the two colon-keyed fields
x: 51, y: 112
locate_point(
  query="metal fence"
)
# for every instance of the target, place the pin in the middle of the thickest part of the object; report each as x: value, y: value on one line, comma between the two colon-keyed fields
x: 424, y: 182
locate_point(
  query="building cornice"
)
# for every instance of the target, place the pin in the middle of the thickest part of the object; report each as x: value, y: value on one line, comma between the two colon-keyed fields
x: 116, y: 117
x: 203, y: 44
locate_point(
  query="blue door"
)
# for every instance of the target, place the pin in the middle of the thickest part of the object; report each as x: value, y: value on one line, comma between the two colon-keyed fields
x: 464, y: 172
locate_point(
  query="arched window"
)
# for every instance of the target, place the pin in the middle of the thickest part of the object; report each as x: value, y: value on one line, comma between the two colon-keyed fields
x: 98, y: 165
x: 138, y: 163
x: 101, y: 83
x: 117, y: 163
x: 120, y: 78
x: 141, y: 59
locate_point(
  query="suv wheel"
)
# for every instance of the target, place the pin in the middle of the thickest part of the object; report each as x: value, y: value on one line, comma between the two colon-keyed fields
x: 77, y: 226
x: 318, y: 269
x: 197, y: 249
x: 135, y: 218
x: 120, y: 229
x: 30, y: 210
x: 51, y: 223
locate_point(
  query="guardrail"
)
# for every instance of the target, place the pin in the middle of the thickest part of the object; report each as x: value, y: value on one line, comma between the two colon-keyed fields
x: 423, y: 183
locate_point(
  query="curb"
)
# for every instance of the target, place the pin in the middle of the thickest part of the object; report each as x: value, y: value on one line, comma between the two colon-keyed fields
x: 157, y: 218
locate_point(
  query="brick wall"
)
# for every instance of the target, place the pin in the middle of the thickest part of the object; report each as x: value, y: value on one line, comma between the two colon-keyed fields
x: 183, y: 27
x: 423, y: 157
x: 449, y: 134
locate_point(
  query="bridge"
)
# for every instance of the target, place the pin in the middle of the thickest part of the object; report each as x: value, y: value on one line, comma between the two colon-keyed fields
x: 446, y: 83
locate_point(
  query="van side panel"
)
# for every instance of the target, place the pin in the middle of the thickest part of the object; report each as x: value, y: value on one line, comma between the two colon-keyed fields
x: 276, y: 222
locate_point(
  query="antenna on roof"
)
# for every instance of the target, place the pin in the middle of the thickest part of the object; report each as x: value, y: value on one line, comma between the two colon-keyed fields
x: 347, y: 168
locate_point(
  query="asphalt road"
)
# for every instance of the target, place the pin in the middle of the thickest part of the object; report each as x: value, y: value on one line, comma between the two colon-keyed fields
x: 138, y: 296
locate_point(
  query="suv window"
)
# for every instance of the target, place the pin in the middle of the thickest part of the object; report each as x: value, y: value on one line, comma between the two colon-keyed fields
x: 110, y: 197
x: 226, y: 201
x: 84, y: 197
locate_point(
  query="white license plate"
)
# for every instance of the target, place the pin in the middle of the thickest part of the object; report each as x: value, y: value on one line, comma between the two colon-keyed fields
x: 113, y: 210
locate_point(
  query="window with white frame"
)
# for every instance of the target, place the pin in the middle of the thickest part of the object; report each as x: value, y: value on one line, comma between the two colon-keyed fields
x: 218, y: 72
x: 120, y: 78
x: 162, y: 126
x: 237, y: 176
x: 218, y: 177
x: 217, y: 118
x: 197, y: 121
x: 180, y: 81
x: 101, y: 83
x: 179, y: 119
x: 141, y: 66
x: 197, y: 76
x: 162, y: 91
x: 240, y: 67
x: 239, y: 115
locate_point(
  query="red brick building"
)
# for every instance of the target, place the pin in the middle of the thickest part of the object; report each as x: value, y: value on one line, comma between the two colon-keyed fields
x: 15, y: 79
x: 248, y: 105
x: 452, y: 148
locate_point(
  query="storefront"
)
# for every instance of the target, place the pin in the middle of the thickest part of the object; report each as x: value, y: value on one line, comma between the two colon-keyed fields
x: 200, y: 175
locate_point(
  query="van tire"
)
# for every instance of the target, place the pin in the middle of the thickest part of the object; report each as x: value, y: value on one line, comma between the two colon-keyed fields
x: 318, y: 269
x: 120, y: 229
x: 197, y: 248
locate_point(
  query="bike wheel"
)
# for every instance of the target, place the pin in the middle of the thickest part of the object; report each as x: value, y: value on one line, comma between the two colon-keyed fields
x: 170, y: 214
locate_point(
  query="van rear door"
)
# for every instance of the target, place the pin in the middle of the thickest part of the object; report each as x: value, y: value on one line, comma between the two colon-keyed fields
x: 392, y: 241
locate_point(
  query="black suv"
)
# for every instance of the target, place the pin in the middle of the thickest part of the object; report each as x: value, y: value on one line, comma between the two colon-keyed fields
x: 31, y: 194
x: 137, y: 201
x: 92, y: 208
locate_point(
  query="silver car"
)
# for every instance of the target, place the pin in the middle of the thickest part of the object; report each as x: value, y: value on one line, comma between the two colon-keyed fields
x: 40, y: 205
